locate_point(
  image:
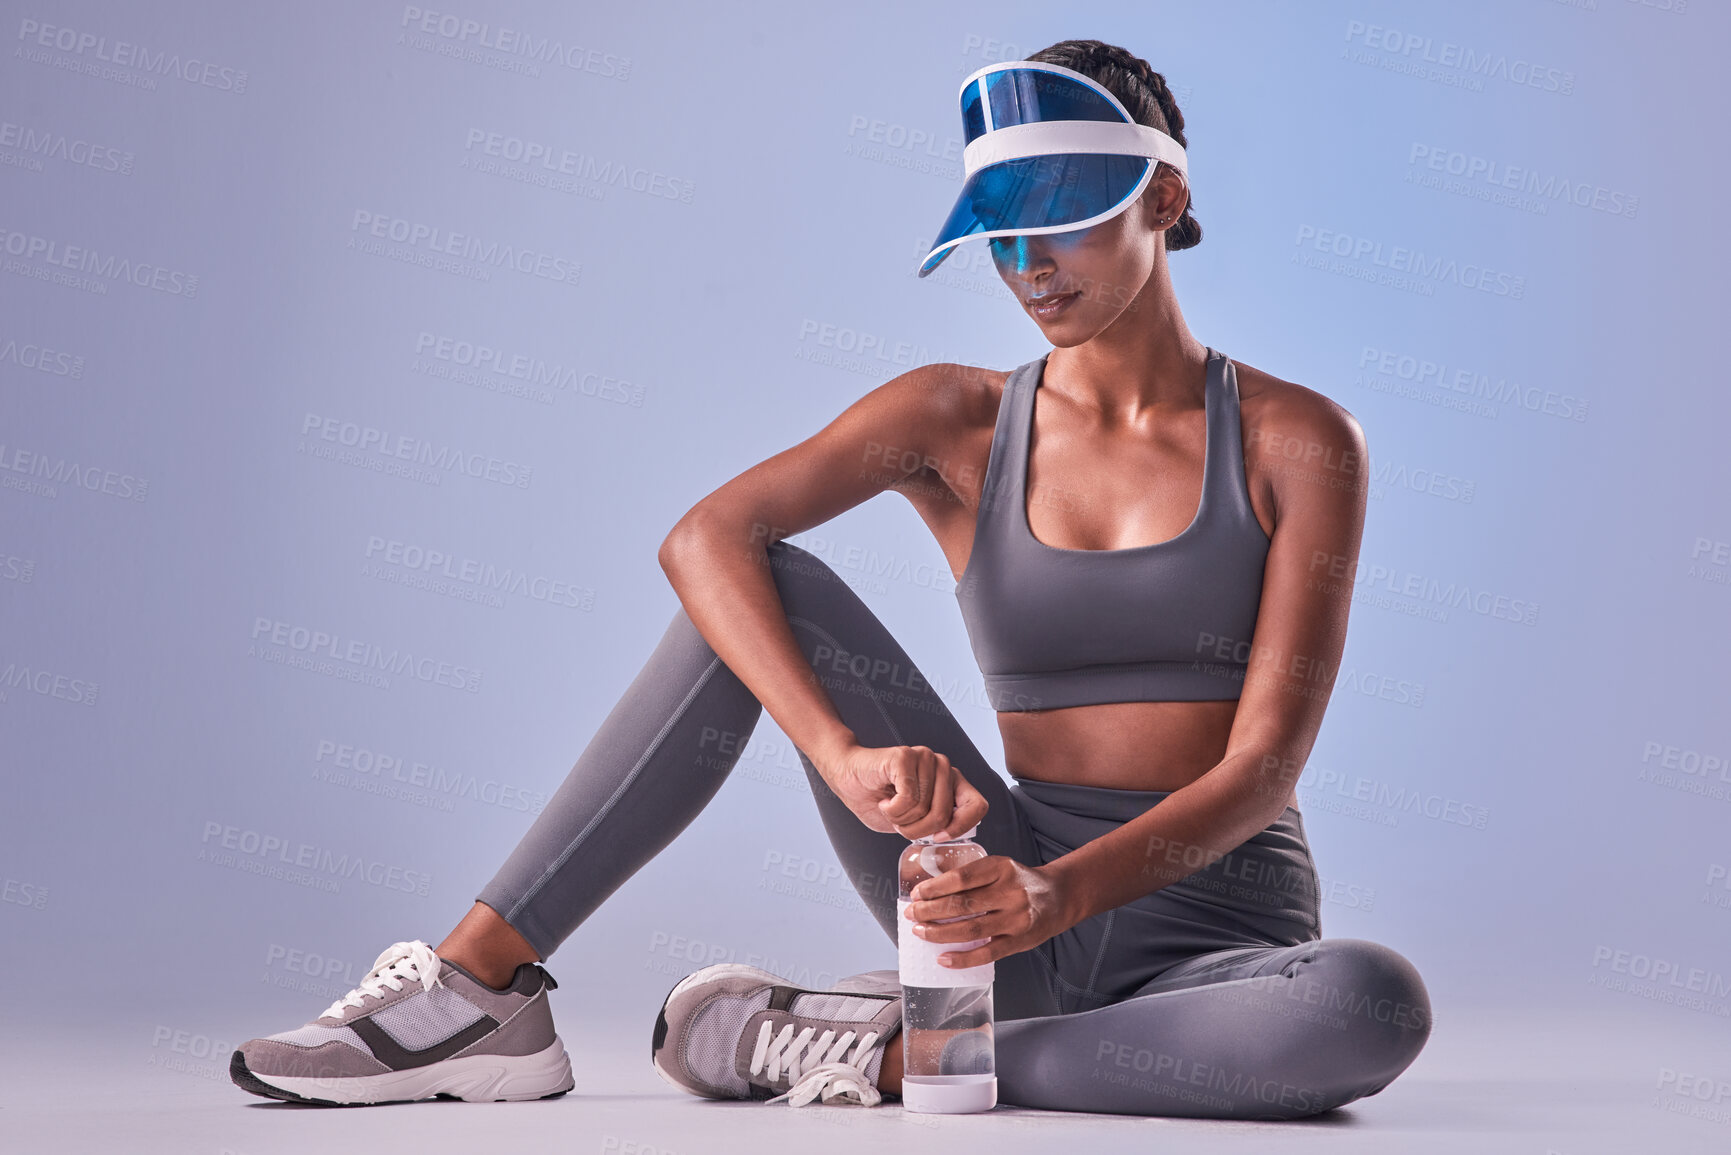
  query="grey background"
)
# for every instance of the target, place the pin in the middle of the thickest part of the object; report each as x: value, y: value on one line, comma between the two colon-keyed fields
x: 1533, y: 811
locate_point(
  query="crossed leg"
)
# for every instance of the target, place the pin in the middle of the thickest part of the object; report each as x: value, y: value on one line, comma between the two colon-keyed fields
x: 1273, y: 1032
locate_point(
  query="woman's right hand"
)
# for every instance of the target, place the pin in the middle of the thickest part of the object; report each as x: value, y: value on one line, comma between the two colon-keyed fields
x: 912, y: 790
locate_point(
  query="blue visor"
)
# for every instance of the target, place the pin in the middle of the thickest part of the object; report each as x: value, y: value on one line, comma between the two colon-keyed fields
x: 1047, y: 150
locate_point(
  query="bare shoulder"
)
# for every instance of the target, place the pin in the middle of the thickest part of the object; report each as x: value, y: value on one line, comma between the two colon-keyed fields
x: 926, y: 409
x: 1277, y: 406
x: 1294, y: 434
x: 962, y: 396
x: 947, y: 407
x: 949, y: 412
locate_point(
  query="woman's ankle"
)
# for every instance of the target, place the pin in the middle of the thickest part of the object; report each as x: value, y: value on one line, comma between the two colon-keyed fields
x: 890, y: 1071
x: 487, y: 946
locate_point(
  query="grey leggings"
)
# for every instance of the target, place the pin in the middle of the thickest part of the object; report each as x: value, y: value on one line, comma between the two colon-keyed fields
x: 1212, y: 997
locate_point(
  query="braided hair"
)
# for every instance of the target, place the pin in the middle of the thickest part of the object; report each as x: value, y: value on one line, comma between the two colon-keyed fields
x: 1143, y: 92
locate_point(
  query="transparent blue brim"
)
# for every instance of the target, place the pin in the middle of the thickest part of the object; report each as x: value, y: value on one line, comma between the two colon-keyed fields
x: 1057, y: 192
x: 1031, y: 95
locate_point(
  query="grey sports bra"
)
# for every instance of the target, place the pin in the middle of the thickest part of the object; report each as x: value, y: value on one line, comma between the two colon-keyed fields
x: 1171, y: 621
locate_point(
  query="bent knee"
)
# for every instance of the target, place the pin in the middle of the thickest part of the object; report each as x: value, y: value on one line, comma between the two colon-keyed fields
x: 1382, y: 1002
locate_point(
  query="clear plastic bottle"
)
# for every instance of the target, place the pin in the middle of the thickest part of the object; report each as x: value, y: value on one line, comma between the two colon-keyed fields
x: 948, y: 1063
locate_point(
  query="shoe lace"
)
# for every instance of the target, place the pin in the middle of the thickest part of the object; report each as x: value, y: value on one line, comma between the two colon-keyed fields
x: 401, y: 962
x: 815, y: 1066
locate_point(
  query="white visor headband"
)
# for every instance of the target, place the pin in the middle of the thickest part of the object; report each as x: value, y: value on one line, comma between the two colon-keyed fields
x: 1051, y: 137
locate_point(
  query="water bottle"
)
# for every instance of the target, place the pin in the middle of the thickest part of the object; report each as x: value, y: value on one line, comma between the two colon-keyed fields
x: 948, y: 1064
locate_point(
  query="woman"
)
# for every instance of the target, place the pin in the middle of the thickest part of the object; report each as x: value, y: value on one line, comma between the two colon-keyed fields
x: 1147, y: 590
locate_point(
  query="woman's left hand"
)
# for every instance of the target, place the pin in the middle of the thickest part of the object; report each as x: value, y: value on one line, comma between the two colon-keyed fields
x: 996, y: 897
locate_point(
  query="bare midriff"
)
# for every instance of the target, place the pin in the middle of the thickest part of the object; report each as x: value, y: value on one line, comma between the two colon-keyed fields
x: 1118, y: 745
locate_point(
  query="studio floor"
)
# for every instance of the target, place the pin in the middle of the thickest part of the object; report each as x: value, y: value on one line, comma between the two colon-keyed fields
x: 1529, y: 1083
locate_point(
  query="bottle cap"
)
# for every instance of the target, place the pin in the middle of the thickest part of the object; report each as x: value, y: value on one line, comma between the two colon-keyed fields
x: 931, y: 838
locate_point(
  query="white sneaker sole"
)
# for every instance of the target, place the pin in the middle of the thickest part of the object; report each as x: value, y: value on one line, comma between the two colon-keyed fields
x: 473, y: 1078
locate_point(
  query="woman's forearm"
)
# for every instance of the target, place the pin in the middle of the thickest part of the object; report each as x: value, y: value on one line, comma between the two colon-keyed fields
x: 1192, y: 828
x: 720, y: 570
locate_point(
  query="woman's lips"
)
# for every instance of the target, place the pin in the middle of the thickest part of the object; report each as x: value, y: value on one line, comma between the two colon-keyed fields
x: 1048, y: 307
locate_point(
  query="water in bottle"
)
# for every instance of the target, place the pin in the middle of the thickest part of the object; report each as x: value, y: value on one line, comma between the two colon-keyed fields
x: 947, y: 1052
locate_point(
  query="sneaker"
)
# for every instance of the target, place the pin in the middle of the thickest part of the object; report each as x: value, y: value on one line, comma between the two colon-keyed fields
x: 732, y: 1031
x: 418, y: 1026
